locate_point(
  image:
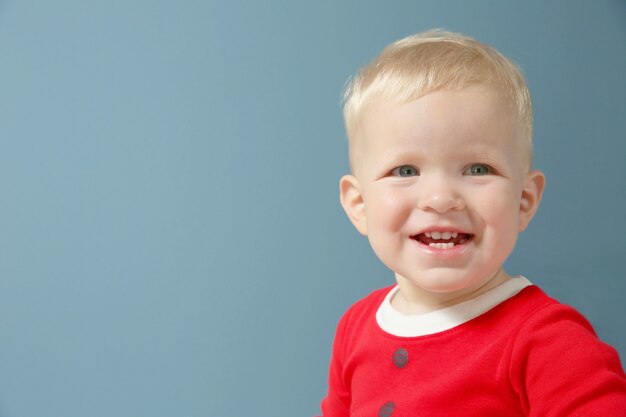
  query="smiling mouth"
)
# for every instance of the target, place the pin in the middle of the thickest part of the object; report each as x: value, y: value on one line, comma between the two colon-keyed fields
x: 442, y: 240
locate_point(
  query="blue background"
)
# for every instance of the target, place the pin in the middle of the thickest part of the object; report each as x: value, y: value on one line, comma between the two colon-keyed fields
x: 171, y: 242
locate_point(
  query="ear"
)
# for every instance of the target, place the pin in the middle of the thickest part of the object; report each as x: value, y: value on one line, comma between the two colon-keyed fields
x: 531, y: 197
x: 352, y: 202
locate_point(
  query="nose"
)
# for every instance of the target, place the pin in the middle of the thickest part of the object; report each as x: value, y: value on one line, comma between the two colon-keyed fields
x: 440, y: 195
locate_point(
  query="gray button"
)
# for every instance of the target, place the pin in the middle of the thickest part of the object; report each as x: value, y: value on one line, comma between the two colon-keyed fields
x: 387, y: 409
x: 400, y: 358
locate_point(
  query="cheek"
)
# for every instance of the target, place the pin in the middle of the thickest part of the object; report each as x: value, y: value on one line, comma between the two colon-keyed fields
x: 388, y: 209
x: 501, y: 216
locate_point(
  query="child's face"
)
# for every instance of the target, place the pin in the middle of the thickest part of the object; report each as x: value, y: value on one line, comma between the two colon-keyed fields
x: 441, y: 188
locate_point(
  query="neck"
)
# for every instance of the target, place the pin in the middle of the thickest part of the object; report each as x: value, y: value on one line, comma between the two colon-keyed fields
x: 411, y: 299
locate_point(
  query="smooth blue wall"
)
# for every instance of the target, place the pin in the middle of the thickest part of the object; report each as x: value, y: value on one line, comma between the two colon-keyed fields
x: 171, y: 242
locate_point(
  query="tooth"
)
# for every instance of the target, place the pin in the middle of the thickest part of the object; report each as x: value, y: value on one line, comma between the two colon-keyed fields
x: 427, y: 234
x: 440, y: 245
x: 446, y: 235
x: 436, y: 235
x: 454, y: 235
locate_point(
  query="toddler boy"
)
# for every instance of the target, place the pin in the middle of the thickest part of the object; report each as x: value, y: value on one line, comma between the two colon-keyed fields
x: 439, y: 129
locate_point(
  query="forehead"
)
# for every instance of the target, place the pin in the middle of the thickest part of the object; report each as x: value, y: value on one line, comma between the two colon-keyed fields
x: 474, y: 118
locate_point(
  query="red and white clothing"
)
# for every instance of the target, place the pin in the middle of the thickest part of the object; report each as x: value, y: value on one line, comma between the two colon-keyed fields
x: 512, y: 351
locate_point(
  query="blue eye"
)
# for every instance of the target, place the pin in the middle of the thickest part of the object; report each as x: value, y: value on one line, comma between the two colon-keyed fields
x: 405, y: 171
x: 478, y: 169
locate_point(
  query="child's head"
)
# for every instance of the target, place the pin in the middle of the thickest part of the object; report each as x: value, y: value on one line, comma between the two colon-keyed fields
x: 436, y: 60
x: 439, y: 128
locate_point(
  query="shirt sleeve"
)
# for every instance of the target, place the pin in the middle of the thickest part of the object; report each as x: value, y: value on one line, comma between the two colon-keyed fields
x: 561, y: 369
x: 337, y: 400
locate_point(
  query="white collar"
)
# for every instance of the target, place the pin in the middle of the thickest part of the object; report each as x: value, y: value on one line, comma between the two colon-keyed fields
x: 392, y: 321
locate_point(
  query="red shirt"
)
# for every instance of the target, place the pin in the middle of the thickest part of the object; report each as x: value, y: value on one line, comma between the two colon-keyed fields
x: 528, y: 356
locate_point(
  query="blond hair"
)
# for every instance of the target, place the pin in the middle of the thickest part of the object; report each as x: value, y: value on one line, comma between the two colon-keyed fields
x: 435, y: 60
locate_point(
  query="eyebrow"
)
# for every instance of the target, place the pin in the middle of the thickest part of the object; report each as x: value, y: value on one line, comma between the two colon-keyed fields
x: 476, y: 153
